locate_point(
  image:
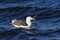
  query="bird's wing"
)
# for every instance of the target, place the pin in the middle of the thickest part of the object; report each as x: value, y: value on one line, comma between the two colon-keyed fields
x: 20, y: 22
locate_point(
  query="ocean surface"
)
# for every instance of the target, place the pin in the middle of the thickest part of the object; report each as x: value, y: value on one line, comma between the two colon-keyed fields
x: 45, y: 27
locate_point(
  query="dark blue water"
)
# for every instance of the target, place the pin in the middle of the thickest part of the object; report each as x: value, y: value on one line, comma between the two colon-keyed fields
x: 45, y: 27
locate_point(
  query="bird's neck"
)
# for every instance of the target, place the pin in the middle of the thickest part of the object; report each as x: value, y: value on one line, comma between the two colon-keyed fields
x: 28, y: 22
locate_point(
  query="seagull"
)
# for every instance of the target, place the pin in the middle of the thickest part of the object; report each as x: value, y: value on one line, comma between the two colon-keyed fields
x: 22, y: 24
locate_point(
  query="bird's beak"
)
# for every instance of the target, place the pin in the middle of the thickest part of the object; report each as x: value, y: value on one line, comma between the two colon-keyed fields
x: 33, y: 19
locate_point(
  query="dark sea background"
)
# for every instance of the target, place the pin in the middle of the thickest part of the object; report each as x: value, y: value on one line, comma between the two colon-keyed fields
x: 45, y: 27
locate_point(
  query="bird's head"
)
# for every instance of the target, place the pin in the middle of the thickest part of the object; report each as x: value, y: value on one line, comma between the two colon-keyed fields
x: 31, y: 18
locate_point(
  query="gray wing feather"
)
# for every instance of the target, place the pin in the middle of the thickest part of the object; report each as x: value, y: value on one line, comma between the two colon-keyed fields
x: 20, y: 22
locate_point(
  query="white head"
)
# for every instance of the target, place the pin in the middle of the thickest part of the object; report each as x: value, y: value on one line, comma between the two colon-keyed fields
x: 28, y: 20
